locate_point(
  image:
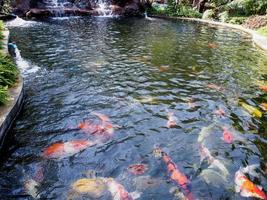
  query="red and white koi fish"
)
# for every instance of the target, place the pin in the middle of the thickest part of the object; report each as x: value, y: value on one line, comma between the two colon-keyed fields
x: 215, y: 87
x: 31, y: 188
x: 172, y: 120
x: 227, y: 135
x: 247, y: 188
x: 205, y: 154
x: 220, y: 112
x: 65, y: 149
x: 118, y: 191
x: 176, y: 175
x: 137, y: 169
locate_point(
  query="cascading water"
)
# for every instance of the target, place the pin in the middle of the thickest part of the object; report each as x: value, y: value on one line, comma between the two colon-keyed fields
x: 104, y: 9
x: 24, y: 66
x: 56, y: 6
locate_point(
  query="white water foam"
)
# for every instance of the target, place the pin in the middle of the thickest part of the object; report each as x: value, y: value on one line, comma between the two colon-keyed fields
x: 24, y: 66
x: 18, y: 22
x: 104, y: 9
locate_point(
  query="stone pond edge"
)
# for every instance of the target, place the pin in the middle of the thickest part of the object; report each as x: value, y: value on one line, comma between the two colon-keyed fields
x: 10, y: 111
x: 260, y: 41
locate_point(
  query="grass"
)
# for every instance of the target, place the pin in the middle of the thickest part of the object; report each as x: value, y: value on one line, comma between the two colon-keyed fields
x: 8, y: 71
x: 262, y: 31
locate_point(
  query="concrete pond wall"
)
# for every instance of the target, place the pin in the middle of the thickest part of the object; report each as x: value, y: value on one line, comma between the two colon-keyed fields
x: 11, y: 110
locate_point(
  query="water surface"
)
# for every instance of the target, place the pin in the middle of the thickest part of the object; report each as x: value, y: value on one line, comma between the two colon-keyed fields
x: 135, y: 71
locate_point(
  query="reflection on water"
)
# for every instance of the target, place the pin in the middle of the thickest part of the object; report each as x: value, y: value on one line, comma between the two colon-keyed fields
x: 175, y: 98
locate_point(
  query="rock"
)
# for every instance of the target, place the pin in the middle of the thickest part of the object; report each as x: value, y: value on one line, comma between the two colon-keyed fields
x: 208, y: 14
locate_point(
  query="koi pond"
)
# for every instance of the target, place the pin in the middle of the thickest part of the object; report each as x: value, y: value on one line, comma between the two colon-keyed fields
x: 137, y: 109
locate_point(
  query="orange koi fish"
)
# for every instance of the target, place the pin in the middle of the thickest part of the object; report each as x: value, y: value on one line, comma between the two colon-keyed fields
x: 176, y: 175
x: 215, y: 87
x: 220, y: 112
x: 213, y: 45
x: 246, y: 188
x: 227, y: 135
x: 105, y: 128
x: 172, y: 120
x: 263, y: 87
x: 65, y: 149
x: 118, y: 192
x: 263, y: 106
x: 137, y: 169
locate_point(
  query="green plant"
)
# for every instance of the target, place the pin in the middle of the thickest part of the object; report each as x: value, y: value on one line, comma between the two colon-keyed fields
x: 187, y: 11
x: 4, y: 97
x: 237, y: 20
x: 262, y: 31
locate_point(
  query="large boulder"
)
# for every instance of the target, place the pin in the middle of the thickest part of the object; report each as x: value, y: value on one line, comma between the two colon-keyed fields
x: 37, y: 8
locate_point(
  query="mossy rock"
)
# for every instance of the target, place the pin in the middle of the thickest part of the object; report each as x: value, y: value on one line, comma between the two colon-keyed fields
x: 208, y: 14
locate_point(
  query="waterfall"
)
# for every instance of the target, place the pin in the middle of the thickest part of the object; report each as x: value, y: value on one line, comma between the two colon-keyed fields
x: 104, y: 9
x: 18, y: 22
x: 24, y: 66
x: 56, y: 6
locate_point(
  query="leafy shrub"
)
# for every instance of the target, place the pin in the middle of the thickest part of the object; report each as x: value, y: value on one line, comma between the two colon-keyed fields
x: 187, y: 11
x: 248, y: 7
x: 237, y: 20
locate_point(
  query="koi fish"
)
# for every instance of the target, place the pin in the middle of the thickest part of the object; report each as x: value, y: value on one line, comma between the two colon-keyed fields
x: 215, y: 87
x: 220, y: 112
x: 247, y: 188
x: 255, y: 112
x: 263, y: 87
x: 92, y: 186
x: 176, y: 175
x: 65, y: 149
x: 263, y: 106
x: 227, y: 135
x: 118, y: 191
x: 31, y: 188
x: 105, y: 128
x: 172, y: 120
x: 213, y: 45
x: 137, y: 169
x: 103, y: 117
x: 164, y: 68
x: 205, y: 154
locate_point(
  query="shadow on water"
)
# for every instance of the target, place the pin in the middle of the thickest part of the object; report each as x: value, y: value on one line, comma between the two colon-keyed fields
x: 137, y: 72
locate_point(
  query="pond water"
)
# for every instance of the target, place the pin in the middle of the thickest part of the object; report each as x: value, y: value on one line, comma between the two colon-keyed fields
x: 137, y: 72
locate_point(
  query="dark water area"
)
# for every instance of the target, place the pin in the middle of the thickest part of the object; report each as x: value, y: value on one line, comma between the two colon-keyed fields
x: 136, y: 71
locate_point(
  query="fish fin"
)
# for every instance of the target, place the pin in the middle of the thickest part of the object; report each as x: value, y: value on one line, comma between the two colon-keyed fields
x: 135, y: 194
x: 245, y: 193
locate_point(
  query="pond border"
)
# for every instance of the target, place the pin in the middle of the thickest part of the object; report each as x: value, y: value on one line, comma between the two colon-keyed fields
x: 260, y: 41
x: 10, y: 111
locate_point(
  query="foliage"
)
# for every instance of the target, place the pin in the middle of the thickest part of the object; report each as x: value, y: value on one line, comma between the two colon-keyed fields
x: 6, y: 6
x: 237, y: 20
x: 187, y: 11
x: 8, y: 71
x: 248, y: 7
x: 262, y: 31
